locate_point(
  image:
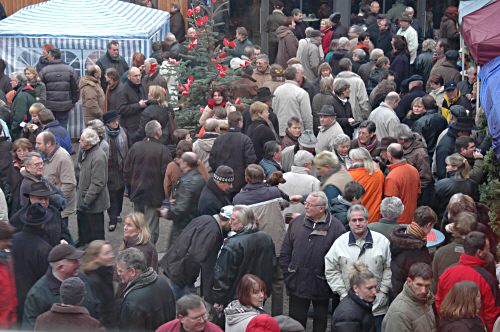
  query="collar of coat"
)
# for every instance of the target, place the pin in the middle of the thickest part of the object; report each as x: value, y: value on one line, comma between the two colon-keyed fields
x: 69, y: 309
x: 408, y: 292
x: 368, y: 241
x: 363, y: 304
x: 145, y: 279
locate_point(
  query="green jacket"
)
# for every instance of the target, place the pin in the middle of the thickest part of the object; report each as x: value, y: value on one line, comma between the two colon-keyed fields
x: 407, y: 313
x: 21, y: 103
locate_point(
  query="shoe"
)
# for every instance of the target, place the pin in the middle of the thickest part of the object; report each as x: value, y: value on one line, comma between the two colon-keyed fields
x: 118, y: 220
x: 111, y: 227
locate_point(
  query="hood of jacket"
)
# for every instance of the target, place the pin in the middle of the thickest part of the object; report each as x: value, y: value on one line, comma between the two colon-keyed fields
x: 408, y: 292
x: 346, y: 74
x: 283, y: 31
x: 339, y: 205
x: 206, y: 144
x: 236, y: 312
x: 469, y: 260
x: 400, y: 240
x: 88, y: 80
x: 417, y: 144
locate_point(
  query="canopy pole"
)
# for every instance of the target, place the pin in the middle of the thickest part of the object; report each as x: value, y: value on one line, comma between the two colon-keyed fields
x: 478, y: 100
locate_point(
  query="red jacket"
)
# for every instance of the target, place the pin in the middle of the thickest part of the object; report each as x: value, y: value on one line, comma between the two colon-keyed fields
x: 8, y: 299
x: 327, y: 38
x: 175, y: 326
x: 471, y: 268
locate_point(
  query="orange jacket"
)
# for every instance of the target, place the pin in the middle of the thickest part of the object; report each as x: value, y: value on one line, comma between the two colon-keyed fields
x: 374, y: 185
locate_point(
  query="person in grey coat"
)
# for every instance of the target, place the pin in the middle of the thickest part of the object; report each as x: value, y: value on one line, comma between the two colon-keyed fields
x: 310, y: 57
x: 92, y: 191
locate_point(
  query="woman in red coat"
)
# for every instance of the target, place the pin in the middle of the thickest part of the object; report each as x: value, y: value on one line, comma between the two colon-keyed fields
x: 8, y: 299
x: 325, y: 26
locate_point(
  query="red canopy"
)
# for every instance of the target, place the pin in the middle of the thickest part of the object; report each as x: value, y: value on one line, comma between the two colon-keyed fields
x: 481, y: 32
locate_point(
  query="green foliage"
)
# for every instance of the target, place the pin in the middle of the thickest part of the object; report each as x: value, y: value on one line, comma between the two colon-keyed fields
x: 490, y: 189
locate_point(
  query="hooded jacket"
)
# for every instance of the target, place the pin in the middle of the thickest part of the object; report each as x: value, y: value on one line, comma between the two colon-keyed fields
x: 238, y: 316
x: 287, y: 46
x: 202, y: 148
x: 358, y: 98
x: 353, y: 314
x: 92, y: 98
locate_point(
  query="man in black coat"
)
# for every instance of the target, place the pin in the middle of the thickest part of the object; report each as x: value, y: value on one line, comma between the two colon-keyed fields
x: 112, y: 59
x: 383, y: 37
x: 196, y: 249
x: 132, y: 100
x: 147, y: 301
x: 62, y: 88
x: 177, y: 25
x: 214, y: 195
x: 415, y: 85
x: 235, y: 150
x: 144, y: 170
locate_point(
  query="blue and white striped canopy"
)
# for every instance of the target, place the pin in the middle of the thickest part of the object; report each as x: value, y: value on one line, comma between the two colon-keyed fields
x: 109, y: 19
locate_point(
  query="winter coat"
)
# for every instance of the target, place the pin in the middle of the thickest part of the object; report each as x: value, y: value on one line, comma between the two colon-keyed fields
x: 92, y: 98
x: 101, y: 282
x: 148, y: 249
x: 448, y: 30
x: 260, y: 133
x: 63, y: 138
x: 202, y: 148
x: 8, y: 300
x: 291, y: 100
x: 326, y: 40
x: 384, y: 227
x: 374, y: 185
x: 5, y: 85
x: 299, y: 181
x: 383, y: 41
x: 444, y: 148
x: 144, y: 170
x: 263, y: 79
x: 61, y: 317
x: 302, y: 256
x: 254, y: 250
x: 334, y: 60
x: 446, y: 188
x: 112, y: 97
x: 238, y: 51
x: 423, y: 65
x: 128, y: 105
x: 396, y: 10
x: 176, y: 326
x: 147, y: 303
x: 106, y: 61
x: 471, y: 268
x: 374, y: 79
x: 235, y: 150
x: 327, y: 135
x: 447, y: 71
x: 212, y: 199
x: 338, y: 208
x: 318, y: 102
x: 156, y: 112
x: 365, y: 70
x: 310, y: 59
x: 410, y: 314
x: 118, y: 150
x: 287, y: 45
x: 430, y: 125
x: 256, y: 193
x: 404, y: 105
x: 458, y: 100
x: 406, y: 250
x: 346, y: 251
x: 177, y: 26
x: 411, y: 36
x: 154, y: 79
x: 57, y: 199
x: 289, y: 139
x: 334, y: 184
x: 400, y: 65
x: 92, y: 181
x: 353, y: 314
x: 461, y: 325
x: 45, y: 292
x: 403, y: 181
x: 344, y: 112
x: 417, y: 156
x: 62, y: 88
x: 244, y: 87
x: 195, y: 249
x: 385, y: 119
x: 358, y: 98
x: 270, y: 166
x: 238, y: 316
x: 23, y: 99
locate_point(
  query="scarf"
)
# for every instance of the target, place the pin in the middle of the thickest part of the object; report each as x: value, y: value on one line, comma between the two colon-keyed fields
x: 146, y: 278
x: 416, y: 229
x: 118, y: 147
x: 371, y: 145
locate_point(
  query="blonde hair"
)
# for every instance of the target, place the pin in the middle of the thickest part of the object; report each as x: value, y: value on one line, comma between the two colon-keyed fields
x: 33, y: 71
x: 139, y: 222
x: 256, y: 109
x: 326, y: 158
x: 362, y: 155
x: 462, y: 165
x: 157, y: 93
x: 35, y: 108
x: 93, y: 250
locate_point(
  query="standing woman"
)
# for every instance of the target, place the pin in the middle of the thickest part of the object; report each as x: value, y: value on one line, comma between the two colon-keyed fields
x: 43, y: 60
x: 36, y: 83
x: 259, y: 130
x: 118, y: 142
x: 158, y: 110
x: 342, y: 89
x: 20, y: 148
x: 459, y: 310
x: 400, y: 61
x: 354, y: 312
x: 325, y: 26
x: 288, y: 43
x: 97, y: 264
x: 136, y: 234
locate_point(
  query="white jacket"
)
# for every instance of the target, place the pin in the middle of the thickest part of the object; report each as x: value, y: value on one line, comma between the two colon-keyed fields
x: 291, y: 100
x: 342, y: 255
x: 326, y: 137
x: 358, y: 97
x: 411, y: 37
x: 385, y: 119
x: 298, y: 182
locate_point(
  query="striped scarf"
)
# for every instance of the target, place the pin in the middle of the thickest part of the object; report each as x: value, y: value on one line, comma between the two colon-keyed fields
x: 416, y: 230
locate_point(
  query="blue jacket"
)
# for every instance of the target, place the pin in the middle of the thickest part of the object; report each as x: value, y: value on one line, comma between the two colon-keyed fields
x: 61, y: 134
x: 270, y: 166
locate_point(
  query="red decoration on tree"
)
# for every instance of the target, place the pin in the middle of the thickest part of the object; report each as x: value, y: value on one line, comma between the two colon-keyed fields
x: 185, y: 93
x: 205, y: 19
x: 197, y: 9
x: 200, y: 22
x: 222, y: 74
x: 228, y: 43
x: 190, y: 12
x: 237, y: 101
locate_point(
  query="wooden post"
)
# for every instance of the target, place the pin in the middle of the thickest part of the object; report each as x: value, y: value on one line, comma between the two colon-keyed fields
x: 183, y: 4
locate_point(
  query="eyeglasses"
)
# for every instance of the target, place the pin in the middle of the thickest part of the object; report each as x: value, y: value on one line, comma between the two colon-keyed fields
x: 40, y: 164
x: 307, y: 204
x: 203, y: 317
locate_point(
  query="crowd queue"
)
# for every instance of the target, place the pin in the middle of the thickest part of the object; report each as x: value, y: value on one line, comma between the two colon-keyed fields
x: 324, y: 194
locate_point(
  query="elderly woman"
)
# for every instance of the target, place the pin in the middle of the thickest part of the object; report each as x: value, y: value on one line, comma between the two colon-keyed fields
x: 391, y: 209
x: 100, y: 129
x: 36, y: 83
x: 259, y: 130
x: 342, y: 89
x: 341, y: 146
x: 367, y: 137
x: 23, y: 97
x: 332, y: 174
x: 365, y: 171
x: 158, y: 110
x: 325, y: 26
x: 92, y: 192
x: 324, y: 97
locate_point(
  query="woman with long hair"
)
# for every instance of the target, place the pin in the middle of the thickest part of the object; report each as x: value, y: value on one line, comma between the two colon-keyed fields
x: 400, y: 60
x: 19, y: 149
x: 260, y: 131
x: 98, y: 266
x: 459, y: 310
x: 251, y: 293
x: 366, y: 172
x: 36, y: 83
x: 136, y: 234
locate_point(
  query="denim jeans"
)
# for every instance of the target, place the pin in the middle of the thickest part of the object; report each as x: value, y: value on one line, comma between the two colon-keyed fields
x: 180, y: 291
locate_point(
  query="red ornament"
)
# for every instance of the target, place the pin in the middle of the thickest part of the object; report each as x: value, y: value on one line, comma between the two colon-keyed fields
x: 185, y: 93
x: 190, y: 12
x: 222, y: 55
x: 190, y: 80
x: 197, y: 9
x: 199, y: 21
x: 214, y: 1
x: 237, y: 101
x: 226, y: 42
x: 222, y: 74
x: 205, y: 19
x: 232, y: 44
x: 202, y: 109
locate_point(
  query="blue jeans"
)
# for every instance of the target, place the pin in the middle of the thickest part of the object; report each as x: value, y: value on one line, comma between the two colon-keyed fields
x: 378, y: 322
x: 180, y: 291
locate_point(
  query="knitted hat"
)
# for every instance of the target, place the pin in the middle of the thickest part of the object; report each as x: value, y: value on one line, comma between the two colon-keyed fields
x: 307, y: 139
x: 263, y: 323
x: 72, y: 291
x: 224, y: 174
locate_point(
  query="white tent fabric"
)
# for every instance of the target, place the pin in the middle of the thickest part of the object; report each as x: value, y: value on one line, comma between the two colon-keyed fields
x: 81, y: 29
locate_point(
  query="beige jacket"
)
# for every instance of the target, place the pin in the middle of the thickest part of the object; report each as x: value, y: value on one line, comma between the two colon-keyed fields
x: 92, y: 98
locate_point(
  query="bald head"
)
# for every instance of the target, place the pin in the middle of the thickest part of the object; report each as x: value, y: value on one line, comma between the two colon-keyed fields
x: 392, y: 99
x: 190, y: 160
x: 395, y: 152
x: 134, y: 75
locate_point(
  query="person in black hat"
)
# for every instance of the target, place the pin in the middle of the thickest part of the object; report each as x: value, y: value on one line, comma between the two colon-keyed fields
x: 263, y: 95
x: 415, y: 84
x: 118, y: 141
x: 452, y: 97
x: 214, y: 195
x: 64, y: 264
x: 329, y: 128
x: 338, y: 29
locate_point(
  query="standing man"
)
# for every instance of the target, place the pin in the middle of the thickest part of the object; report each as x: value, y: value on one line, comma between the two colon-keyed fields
x: 403, y: 181
x: 62, y: 88
x: 385, y: 118
x: 274, y: 21
x: 412, y: 309
x: 112, y: 59
x: 59, y: 171
x: 411, y: 36
x: 177, y: 25
x: 310, y: 57
x: 241, y: 41
x: 215, y: 193
x: 132, y: 101
x: 92, y: 192
x: 92, y: 94
x: 144, y: 170
x: 328, y: 130
x: 360, y: 244
x: 308, y: 239
x: 261, y: 73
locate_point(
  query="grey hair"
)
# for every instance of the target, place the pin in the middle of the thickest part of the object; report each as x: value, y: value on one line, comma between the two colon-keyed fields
x: 391, y: 208
x: 362, y: 155
x: 376, y: 53
x: 356, y: 29
x: 326, y: 84
x: 133, y: 258
x: 98, y: 126
x: 298, y: 66
x: 343, y: 41
x: 403, y: 131
x: 355, y: 208
x: 19, y: 76
x: 170, y: 37
x: 149, y: 61
x: 90, y: 136
x: 339, y: 139
x: 321, y: 196
x: 211, y: 125
x: 151, y: 128
x: 262, y: 57
x: 429, y: 45
x: 303, y: 157
x: 409, y: 9
x: 246, y: 217
x: 308, y: 31
x: 340, y: 86
x: 188, y: 302
x: 359, y: 53
x: 28, y: 157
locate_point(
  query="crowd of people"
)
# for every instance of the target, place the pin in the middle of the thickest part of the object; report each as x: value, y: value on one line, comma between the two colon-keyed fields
x: 322, y: 194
